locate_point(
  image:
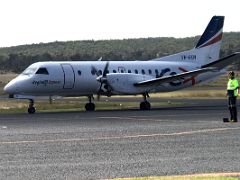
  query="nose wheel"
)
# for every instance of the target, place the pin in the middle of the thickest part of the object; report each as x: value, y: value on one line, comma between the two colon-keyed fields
x: 31, y: 108
x: 145, y: 105
x: 90, y: 106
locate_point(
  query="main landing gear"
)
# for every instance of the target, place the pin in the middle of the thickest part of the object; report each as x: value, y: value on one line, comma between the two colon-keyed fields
x: 145, y: 105
x: 90, y: 106
x: 31, y: 108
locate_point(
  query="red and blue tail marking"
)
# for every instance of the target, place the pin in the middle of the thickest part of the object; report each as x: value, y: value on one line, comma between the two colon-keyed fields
x: 213, y: 32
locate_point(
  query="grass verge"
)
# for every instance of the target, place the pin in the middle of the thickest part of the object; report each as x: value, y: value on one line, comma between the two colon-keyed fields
x: 218, y: 176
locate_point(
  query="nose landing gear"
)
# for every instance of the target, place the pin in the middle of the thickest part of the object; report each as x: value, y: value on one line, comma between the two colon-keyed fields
x: 31, y: 108
x: 90, y: 106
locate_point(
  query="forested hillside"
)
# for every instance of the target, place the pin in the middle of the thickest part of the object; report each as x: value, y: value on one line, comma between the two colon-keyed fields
x: 17, y: 58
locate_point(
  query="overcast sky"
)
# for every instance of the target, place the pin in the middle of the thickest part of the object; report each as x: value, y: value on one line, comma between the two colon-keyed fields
x: 35, y: 21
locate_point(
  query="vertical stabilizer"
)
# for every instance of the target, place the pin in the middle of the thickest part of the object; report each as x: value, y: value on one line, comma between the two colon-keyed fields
x: 207, y: 49
x: 209, y: 44
x: 213, y: 32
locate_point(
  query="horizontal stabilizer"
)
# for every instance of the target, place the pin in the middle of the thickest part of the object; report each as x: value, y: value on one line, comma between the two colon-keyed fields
x: 224, y: 62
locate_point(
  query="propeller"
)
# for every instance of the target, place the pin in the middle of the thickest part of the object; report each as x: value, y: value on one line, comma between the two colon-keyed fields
x: 102, y: 78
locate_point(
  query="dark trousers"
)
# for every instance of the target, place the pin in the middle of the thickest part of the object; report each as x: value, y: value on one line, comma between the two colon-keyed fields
x: 232, y: 106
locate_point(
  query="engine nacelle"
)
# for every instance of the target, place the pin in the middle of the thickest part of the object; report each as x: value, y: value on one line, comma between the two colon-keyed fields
x: 123, y: 83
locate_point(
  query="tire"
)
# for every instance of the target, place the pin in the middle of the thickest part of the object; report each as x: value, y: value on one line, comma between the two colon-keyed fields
x: 145, y: 105
x: 90, y: 107
x: 31, y: 110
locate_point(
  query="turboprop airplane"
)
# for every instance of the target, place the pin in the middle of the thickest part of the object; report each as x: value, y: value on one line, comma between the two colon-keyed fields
x: 88, y: 78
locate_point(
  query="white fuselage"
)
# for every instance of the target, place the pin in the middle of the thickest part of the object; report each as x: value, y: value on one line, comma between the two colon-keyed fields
x: 88, y: 78
x: 77, y: 79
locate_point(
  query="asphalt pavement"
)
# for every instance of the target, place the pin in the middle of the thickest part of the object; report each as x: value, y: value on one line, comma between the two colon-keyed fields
x: 179, y: 140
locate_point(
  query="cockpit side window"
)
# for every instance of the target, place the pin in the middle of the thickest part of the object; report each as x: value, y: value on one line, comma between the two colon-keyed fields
x: 42, y: 71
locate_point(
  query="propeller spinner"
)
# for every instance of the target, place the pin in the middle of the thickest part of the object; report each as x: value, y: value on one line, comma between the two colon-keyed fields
x: 102, y: 78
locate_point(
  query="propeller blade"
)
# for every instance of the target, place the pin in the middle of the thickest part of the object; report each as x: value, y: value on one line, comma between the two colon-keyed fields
x: 99, y: 92
x: 95, y: 71
x: 105, y: 71
x: 98, y: 97
x: 102, y: 78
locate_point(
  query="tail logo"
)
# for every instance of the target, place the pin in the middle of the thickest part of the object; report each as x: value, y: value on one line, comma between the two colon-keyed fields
x: 212, y: 41
x: 213, y: 32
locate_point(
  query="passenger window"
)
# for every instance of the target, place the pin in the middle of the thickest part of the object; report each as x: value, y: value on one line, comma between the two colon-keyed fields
x: 156, y: 71
x: 129, y: 71
x: 79, y: 73
x: 150, y: 71
x: 114, y: 71
x: 42, y: 71
x: 143, y: 72
x: 136, y: 71
x: 122, y: 71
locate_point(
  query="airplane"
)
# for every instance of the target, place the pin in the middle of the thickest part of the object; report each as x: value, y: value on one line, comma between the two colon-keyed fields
x: 108, y: 78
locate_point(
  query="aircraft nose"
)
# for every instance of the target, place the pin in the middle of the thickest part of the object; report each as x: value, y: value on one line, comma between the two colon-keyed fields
x: 10, y: 88
x: 7, y: 88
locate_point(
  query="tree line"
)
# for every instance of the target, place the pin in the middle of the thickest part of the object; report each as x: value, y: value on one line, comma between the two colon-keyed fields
x: 16, y: 59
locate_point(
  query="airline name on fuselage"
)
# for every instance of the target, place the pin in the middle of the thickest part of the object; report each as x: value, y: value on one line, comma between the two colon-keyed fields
x: 45, y: 82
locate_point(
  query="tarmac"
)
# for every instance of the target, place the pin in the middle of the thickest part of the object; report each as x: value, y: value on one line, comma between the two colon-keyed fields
x: 187, y: 139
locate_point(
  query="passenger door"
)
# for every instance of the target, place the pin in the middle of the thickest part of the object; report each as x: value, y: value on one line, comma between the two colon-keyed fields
x: 69, y: 76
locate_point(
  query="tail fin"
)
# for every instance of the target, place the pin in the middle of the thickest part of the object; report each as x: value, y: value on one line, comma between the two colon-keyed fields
x: 209, y: 44
x: 208, y: 47
x: 213, y: 32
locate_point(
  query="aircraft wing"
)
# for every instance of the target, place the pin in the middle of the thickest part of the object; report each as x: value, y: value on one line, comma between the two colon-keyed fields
x: 167, y: 79
x: 223, y: 62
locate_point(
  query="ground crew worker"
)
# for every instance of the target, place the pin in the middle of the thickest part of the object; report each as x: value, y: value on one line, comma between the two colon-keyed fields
x: 232, y: 92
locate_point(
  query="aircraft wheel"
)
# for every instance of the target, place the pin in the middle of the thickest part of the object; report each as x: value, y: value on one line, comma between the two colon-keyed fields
x: 90, y: 107
x: 145, y: 105
x: 31, y: 110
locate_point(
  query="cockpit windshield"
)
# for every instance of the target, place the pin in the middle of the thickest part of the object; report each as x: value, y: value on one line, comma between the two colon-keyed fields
x: 34, y: 70
x: 29, y: 71
x: 42, y: 70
